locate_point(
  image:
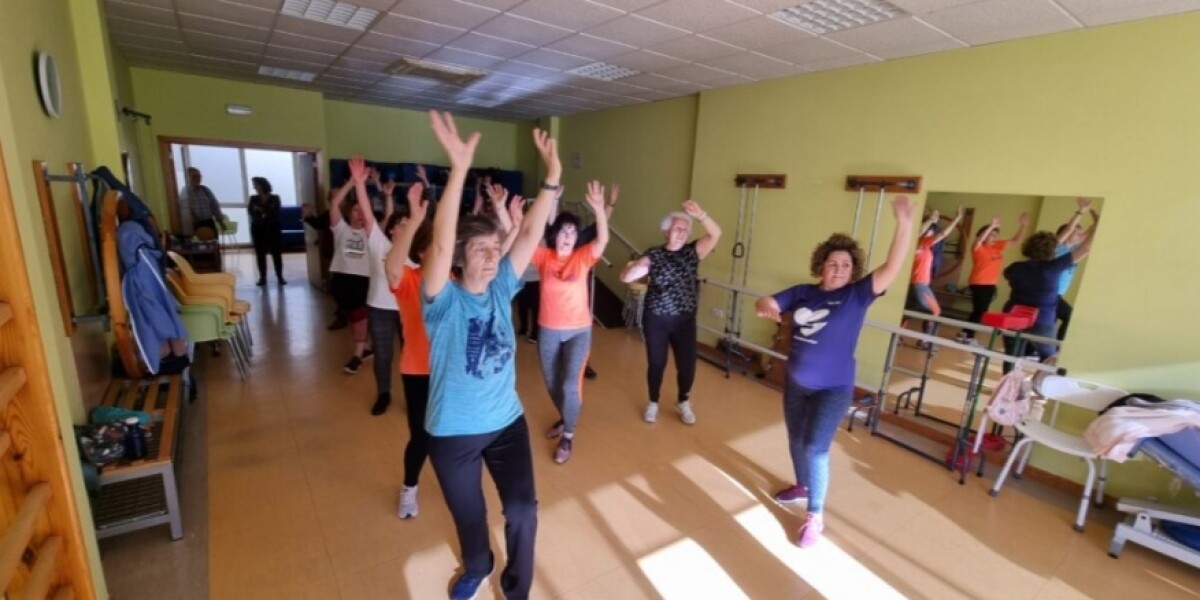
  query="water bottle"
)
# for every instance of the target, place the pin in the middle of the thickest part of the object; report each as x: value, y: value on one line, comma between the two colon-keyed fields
x: 135, y: 439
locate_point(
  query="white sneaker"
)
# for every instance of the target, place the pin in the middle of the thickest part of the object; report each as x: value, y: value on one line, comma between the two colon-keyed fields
x: 651, y: 414
x: 408, y: 503
x: 685, y: 413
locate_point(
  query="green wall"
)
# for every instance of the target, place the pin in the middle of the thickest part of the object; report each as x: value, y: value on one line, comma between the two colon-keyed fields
x: 1105, y: 112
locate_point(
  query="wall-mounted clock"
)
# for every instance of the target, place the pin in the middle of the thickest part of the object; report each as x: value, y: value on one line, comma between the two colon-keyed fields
x: 49, y: 89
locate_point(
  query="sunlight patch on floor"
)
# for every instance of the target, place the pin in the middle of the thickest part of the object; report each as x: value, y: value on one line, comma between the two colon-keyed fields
x: 685, y: 570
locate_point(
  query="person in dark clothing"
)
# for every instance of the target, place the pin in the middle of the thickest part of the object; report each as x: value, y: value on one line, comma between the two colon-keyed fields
x: 265, y: 229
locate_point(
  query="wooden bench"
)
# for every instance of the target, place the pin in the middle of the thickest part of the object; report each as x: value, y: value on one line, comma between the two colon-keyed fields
x: 135, y: 494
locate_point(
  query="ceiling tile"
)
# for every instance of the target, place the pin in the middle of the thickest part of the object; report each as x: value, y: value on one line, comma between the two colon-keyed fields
x: 496, y: 4
x: 757, y: 33
x: 807, y: 50
x: 413, y: 29
x: 164, y: 4
x: 298, y: 65
x: 695, y: 73
x: 998, y: 20
x: 140, y: 12
x: 485, y: 44
x: 1104, y: 12
x: 526, y: 30
x: 463, y: 58
x: 445, y: 12
x: 840, y: 62
x: 317, y: 29
x: 299, y: 54
x: 291, y: 40
x: 651, y: 80
x: 267, y: 4
x: 207, y: 42
x: 224, y: 63
x: 696, y: 48
x: 395, y: 45
x: 637, y: 31
x: 770, y: 6
x: 412, y: 83
x: 945, y: 44
x: 372, y: 55
x: 200, y: 24
x: 227, y: 11
x: 142, y: 41
x: 754, y: 65
x: 576, y: 15
x: 157, y: 54
x: 358, y: 64
x: 697, y: 15
x: 524, y: 69
x: 553, y: 59
x: 646, y: 61
x: 921, y: 7
x: 628, y: 5
x: 589, y: 46
x: 896, y: 33
x: 117, y: 24
x: 336, y: 73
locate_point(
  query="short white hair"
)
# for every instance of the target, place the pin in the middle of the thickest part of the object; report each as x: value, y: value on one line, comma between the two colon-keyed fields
x: 676, y: 216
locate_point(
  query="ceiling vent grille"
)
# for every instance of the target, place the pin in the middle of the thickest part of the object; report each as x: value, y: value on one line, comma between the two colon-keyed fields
x: 427, y: 69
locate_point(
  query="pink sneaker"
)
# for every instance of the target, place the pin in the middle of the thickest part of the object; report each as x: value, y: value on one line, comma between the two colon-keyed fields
x: 791, y: 494
x: 810, y: 532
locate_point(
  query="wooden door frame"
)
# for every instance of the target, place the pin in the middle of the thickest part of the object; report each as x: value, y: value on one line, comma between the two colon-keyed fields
x: 166, y: 163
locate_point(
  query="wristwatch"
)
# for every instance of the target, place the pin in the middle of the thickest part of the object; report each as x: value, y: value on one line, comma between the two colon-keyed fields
x: 552, y: 188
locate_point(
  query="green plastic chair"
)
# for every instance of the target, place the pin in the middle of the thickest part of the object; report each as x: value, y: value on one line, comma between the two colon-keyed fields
x: 206, y: 323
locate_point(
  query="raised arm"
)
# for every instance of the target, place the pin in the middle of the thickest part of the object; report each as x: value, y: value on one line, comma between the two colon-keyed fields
x: 359, y: 174
x: 498, y: 196
x: 883, y: 277
x: 389, y: 203
x: 1022, y: 227
x: 712, y: 231
x: 636, y: 269
x: 335, y: 203
x: 405, y: 232
x: 436, y: 270
x: 514, y: 216
x: 1081, y: 251
x: 993, y: 225
x: 533, y: 228
x: 595, y: 199
x: 1082, y: 205
x: 958, y: 215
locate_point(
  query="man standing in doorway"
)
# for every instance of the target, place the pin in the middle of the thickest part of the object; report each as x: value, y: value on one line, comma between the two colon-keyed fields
x: 198, y: 204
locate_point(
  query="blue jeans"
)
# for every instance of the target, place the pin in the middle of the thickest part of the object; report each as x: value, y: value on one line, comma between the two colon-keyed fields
x: 812, y: 418
x: 563, y: 352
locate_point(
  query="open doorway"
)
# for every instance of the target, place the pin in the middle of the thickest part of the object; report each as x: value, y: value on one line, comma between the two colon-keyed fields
x: 227, y: 168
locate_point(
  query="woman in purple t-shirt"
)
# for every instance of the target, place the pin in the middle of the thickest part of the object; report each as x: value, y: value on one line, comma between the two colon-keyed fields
x: 827, y: 317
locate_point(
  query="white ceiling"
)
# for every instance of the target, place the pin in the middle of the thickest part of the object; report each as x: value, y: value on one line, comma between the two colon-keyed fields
x: 680, y: 46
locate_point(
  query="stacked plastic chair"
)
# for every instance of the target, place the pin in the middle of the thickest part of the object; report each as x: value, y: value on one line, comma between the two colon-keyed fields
x: 213, y: 290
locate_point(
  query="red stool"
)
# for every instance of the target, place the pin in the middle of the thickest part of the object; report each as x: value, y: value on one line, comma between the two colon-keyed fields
x: 1019, y: 318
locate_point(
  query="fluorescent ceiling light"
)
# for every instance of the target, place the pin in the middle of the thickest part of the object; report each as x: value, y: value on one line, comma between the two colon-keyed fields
x: 340, y: 14
x: 240, y: 110
x: 827, y: 16
x: 286, y: 73
x: 603, y: 71
x: 437, y: 71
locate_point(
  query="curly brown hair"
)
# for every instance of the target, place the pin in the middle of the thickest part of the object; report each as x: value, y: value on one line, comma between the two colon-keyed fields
x: 836, y: 242
x: 1040, y: 246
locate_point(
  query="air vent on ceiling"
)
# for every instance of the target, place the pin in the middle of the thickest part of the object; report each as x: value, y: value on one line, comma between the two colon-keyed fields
x: 429, y: 69
x: 603, y: 71
x: 827, y: 16
x: 330, y: 12
x: 286, y: 73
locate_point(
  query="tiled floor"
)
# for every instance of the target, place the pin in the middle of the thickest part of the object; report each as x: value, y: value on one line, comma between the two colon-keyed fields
x: 302, y: 484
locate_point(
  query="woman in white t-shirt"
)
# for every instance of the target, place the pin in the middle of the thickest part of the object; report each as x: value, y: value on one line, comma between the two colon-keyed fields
x: 350, y: 268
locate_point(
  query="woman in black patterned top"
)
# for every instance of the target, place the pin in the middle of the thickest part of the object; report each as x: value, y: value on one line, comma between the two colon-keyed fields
x: 671, y: 300
x: 265, y: 229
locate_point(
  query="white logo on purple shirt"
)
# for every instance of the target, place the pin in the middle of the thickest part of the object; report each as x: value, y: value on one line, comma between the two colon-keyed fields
x: 809, y: 322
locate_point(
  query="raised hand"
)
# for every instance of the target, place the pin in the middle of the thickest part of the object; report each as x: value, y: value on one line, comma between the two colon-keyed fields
x: 417, y: 205
x: 693, y: 210
x: 958, y: 214
x: 516, y: 210
x: 1083, y: 203
x: 996, y: 221
x: 422, y: 176
x: 614, y: 191
x: 902, y: 207
x: 595, y: 196
x: 1023, y: 219
x: 497, y: 193
x: 359, y: 172
x: 547, y: 148
x: 460, y: 152
x: 388, y: 188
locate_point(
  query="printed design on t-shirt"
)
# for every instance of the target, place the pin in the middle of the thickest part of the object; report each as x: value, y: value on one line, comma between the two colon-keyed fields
x: 488, y: 350
x: 355, y: 246
x: 674, y: 282
x: 808, y: 323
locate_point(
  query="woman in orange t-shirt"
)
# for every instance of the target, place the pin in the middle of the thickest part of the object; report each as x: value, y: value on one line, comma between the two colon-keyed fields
x: 403, y: 267
x: 920, y: 294
x: 565, y: 314
x: 988, y: 257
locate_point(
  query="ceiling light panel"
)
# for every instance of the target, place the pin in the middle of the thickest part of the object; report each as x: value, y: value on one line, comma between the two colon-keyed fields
x: 340, y: 14
x: 286, y: 73
x: 603, y: 71
x: 826, y: 16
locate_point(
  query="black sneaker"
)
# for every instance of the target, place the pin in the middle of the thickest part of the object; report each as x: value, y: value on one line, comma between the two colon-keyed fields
x: 352, y: 365
x: 368, y: 353
x: 381, y: 404
x: 261, y: 282
x: 282, y: 281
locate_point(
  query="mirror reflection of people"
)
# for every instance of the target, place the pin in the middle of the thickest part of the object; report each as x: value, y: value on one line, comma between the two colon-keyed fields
x: 920, y: 294
x: 266, y: 230
x: 199, y: 203
x: 827, y: 318
x: 672, y: 297
x: 987, y: 257
x: 1035, y: 283
x: 1070, y: 236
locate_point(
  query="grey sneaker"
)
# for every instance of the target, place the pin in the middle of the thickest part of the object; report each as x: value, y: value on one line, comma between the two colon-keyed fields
x: 408, y: 503
x: 685, y: 413
x: 651, y: 413
x: 563, y: 452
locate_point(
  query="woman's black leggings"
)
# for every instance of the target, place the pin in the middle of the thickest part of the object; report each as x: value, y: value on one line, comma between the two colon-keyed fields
x: 529, y: 300
x: 267, y: 241
x: 981, y: 300
x: 678, y: 332
x: 416, y: 397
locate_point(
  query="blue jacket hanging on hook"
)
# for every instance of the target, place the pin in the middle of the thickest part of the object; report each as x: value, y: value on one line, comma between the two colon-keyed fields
x: 153, y: 311
x: 138, y: 211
